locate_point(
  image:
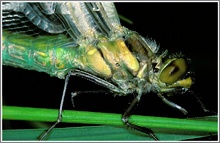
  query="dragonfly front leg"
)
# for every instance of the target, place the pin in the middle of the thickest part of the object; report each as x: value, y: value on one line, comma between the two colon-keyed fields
x: 127, y: 114
x: 59, y: 119
x: 171, y: 104
x: 205, y: 110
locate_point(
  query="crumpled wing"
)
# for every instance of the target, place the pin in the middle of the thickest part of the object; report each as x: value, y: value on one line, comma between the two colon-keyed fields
x: 78, y: 20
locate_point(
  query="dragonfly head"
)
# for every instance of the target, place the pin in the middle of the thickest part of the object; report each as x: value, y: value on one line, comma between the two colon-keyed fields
x: 159, y: 73
x: 172, y: 74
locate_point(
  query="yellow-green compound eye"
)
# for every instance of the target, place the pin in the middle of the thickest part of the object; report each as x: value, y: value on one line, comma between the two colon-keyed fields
x: 173, y: 71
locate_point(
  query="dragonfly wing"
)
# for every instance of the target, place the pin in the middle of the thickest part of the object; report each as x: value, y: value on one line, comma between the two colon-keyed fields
x: 40, y: 14
x: 35, y: 19
x: 89, y: 20
x: 110, y: 13
x: 80, y: 20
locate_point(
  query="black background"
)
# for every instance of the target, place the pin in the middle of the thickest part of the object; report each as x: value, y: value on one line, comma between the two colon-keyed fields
x: 190, y: 28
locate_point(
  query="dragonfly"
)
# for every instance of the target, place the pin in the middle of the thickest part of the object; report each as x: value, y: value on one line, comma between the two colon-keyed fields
x: 66, y: 39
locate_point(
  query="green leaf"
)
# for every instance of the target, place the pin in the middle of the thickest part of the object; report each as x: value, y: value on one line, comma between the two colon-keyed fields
x: 164, y: 128
x: 89, y: 133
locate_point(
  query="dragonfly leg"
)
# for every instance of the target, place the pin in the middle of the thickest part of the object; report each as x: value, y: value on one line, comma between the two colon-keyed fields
x: 73, y: 95
x: 171, y: 104
x: 42, y: 137
x: 125, y: 120
x: 201, y: 104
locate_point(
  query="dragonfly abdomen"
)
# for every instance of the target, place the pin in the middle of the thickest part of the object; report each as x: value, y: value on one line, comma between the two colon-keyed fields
x: 38, y: 53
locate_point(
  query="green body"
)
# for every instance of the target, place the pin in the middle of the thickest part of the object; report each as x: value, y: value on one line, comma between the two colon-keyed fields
x: 43, y: 53
x: 50, y: 54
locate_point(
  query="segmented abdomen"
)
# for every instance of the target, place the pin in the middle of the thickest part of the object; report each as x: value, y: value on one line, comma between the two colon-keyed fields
x: 42, y: 53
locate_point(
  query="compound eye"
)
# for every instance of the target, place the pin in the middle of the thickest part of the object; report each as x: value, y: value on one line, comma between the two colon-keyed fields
x: 174, y: 71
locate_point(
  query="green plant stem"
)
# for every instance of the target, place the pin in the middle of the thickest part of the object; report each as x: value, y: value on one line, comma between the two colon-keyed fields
x: 71, y: 116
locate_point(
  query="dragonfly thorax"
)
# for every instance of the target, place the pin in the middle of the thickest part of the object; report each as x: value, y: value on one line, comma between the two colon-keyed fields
x: 132, y: 65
